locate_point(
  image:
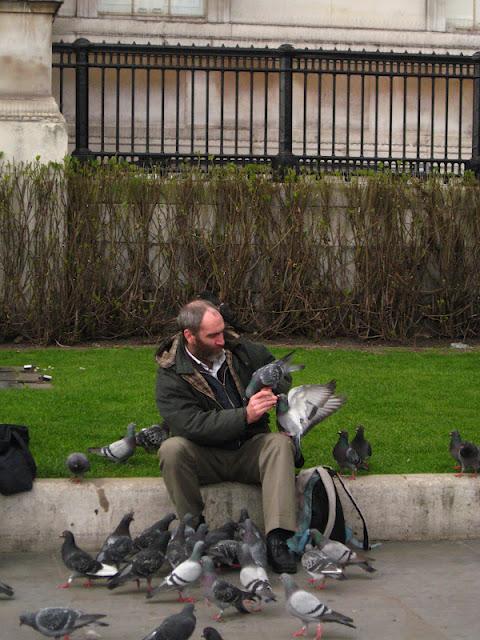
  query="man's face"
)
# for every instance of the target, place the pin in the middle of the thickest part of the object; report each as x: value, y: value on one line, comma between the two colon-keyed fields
x: 208, y: 342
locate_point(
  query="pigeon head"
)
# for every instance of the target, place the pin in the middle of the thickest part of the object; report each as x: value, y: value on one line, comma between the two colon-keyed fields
x: 210, y: 633
x: 27, y: 618
x: 343, y: 435
x: 317, y: 537
x: 198, y: 550
x: 131, y: 429
x: 189, y: 609
x: 68, y: 535
x: 243, y: 516
x: 207, y: 564
x: 289, y: 583
x: 360, y: 430
x: 282, y: 403
x: 78, y: 463
x: 455, y: 435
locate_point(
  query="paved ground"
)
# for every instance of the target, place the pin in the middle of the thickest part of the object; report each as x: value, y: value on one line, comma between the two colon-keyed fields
x: 422, y: 591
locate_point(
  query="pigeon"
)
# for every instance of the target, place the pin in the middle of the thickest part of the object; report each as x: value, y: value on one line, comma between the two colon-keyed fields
x: 303, y: 408
x: 176, y: 549
x: 226, y: 312
x: 320, y: 567
x: 82, y: 563
x: 308, y: 608
x: 456, y: 444
x: 345, y: 455
x: 270, y: 375
x: 151, y: 438
x: 256, y: 543
x: 210, y: 633
x: 120, y: 450
x: 225, y: 553
x: 339, y: 553
x: 118, y: 544
x: 58, y: 622
x: 144, y: 564
x: 148, y: 536
x: 225, y: 532
x: 185, y: 574
x: 196, y: 536
x: 253, y: 577
x: 6, y: 590
x: 222, y: 593
x: 78, y: 464
x: 178, y: 626
x: 469, y: 455
x: 361, y: 446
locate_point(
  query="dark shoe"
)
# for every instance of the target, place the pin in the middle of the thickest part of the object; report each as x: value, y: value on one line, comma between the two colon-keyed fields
x: 280, y: 558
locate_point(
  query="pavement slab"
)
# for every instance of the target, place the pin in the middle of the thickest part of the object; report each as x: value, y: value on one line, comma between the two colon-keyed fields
x: 421, y: 591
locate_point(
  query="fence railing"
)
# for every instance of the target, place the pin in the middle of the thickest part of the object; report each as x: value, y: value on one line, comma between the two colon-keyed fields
x: 326, y: 110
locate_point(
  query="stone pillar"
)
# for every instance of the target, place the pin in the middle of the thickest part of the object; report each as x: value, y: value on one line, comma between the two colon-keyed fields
x: 31, y: 124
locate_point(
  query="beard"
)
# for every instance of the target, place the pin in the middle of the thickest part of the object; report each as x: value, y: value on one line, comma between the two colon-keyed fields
x: 205, y: 351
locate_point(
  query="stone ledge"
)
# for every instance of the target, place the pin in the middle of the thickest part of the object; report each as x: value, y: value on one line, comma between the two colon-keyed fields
x: 396, y: 507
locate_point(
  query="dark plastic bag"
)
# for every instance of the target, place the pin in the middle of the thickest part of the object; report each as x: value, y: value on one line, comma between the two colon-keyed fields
x: 17, y: 466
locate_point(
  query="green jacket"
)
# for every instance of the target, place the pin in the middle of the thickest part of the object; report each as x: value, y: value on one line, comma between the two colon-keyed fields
x: 187, y: 403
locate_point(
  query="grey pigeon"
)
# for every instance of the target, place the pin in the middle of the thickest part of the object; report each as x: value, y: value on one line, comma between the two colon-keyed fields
x: 149, y: 535
x: 308, y: 608
x: 270, y: 375
x: 185, y: 574
x: 6, y: 590
x: 178, y: 626
x: 225, y: 553
x: 320, y: 567
x: 199, y: 535
x: 176, y: 549
x: 253, y: 577
x: 143, y: 565
x: 119, y: 543
x: 469, y: 455
x: 210, y: 633
x: 222, y: 593
x: 303, y: 408
x: 362, y: 446
x: 151, y: 438
x: 256, y: 542
x: 225, y: 532
x: 78, y: 465
x: 456, y: 444
x: 339, y: 553
x: 81, y: 563
x: 58, y: 622
x: 120, y: 450
x: 345, y: 454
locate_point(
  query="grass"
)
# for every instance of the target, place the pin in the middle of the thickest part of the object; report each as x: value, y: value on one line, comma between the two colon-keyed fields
x: 408, y: 401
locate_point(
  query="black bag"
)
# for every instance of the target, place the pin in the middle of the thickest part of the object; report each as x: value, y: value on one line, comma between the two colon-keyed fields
x: 17, y: 466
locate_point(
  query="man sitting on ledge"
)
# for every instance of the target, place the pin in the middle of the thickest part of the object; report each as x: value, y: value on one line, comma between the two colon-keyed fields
x: 216, y: 433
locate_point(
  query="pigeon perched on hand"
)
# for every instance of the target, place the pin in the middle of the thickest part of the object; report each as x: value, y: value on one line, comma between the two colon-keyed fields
x: 151, y: 438
x: 320, y: 567
x: 185, y: 574
x: 81, y: 563
x: 119, y: 543
x: 222, y: 593
x: 120, y: 450
x: 469, y: 455
x: 144, y: 564
x: 78, y: 464
x: 58, y: 622
x: 6, y: 590
x: 270, y: 375
x: 345, y: 454
x: 149, y: 535
x: 340, y: 554
x: 178, y: 626
x: 303, y: 408
x: 362, y: 446
x: 308, y: 608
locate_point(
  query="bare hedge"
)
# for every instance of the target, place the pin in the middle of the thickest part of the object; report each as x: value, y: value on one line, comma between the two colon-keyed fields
x: 89, y: 252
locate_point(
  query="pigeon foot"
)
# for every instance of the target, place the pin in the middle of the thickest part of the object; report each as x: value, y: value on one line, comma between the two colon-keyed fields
x: 88, y: 584
x: 65, y: 585
x: 218, y: 617
x: 301, y: 632
x: 318, y: 635
x: 182, y: 599
x: 320, y: 585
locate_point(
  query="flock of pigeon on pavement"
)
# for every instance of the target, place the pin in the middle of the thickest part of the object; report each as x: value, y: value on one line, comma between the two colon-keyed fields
x: 193, y: 556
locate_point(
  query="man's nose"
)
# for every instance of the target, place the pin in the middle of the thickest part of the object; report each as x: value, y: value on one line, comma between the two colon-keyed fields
x: 220, y: 341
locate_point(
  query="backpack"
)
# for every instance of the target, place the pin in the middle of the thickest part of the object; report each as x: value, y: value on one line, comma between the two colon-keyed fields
x: 17, y: 466
x: 319, y: 507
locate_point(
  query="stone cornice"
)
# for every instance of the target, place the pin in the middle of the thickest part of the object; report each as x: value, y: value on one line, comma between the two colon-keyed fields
x: 30, y: 109
x: 49, y: 7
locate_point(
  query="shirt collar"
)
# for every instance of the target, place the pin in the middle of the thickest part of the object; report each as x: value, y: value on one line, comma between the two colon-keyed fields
x: 216, y: 364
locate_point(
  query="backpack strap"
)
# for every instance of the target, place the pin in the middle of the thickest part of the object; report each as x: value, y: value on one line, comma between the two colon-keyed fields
x: 334, y: 474
x: 326, y: 478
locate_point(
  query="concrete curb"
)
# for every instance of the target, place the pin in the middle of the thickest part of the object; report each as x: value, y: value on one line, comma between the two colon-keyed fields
x: 396, y: 507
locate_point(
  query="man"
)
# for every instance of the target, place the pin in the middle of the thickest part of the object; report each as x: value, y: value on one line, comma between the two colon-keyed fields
x: 216, y: 434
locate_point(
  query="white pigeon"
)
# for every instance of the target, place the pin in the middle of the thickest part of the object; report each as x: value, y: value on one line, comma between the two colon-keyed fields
x: 303, y: 408
x: 185, y: 574
x: 120, y: 450
x: 308, y: 608
x: 320, y: 567
x: 253, y: 577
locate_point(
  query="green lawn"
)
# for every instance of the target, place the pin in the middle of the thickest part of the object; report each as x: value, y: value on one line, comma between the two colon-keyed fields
x: 408, y: 401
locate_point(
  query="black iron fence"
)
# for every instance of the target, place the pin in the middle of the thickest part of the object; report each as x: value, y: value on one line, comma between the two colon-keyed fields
x: 326, y: 110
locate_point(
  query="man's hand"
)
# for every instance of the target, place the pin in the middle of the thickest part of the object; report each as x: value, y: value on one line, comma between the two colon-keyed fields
x: 260, y: 403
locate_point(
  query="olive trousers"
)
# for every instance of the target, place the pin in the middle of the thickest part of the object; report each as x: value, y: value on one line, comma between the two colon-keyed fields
x: 266, y: 459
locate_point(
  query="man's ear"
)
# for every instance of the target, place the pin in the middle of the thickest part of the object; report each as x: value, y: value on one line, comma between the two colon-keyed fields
x: 188, y: 335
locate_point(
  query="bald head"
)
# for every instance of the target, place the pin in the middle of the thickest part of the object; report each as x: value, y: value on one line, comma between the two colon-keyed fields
x: 191, y: 315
